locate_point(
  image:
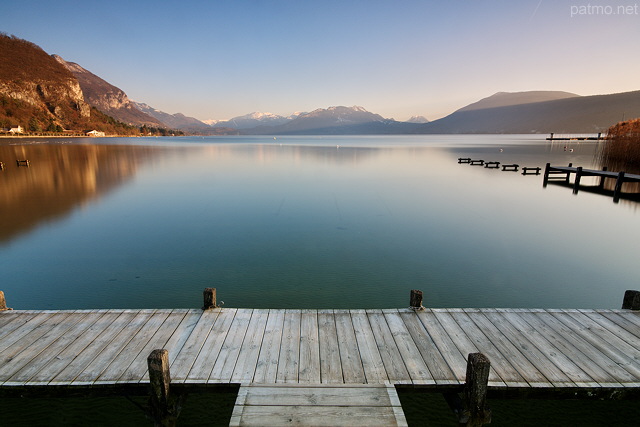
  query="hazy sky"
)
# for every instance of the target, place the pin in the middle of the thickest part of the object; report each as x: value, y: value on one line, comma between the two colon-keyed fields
x: 219, y: 59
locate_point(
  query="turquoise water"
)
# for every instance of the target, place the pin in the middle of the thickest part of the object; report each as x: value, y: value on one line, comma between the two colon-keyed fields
x: 307, y: 222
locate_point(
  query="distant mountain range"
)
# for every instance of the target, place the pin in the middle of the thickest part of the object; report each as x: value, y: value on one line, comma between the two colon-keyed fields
x: 174, y: 121
x: 328, y: 121
x: 561, y: 112
x: 47, y: 93
x: 253, y: 120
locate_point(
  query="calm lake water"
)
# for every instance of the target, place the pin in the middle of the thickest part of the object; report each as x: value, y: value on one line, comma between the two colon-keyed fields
x: 307, y: 222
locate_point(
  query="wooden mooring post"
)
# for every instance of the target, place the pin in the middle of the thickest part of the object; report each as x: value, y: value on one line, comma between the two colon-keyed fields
x: 631, y: 300
x: 209, y: 295
x: 415, y: 301
x: 163, y: 407
x: 471, y: 409
x: 475, y: 410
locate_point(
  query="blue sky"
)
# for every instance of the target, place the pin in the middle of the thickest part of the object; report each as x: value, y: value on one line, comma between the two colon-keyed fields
x: 220, y: 59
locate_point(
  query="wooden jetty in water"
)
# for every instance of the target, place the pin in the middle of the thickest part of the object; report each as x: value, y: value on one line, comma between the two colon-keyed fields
x: 324, y: 367
x: 564, y: 173
x: 552, y: 137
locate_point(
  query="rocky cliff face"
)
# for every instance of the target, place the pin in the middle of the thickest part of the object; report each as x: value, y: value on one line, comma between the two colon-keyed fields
x: 33, y: 77
x: 108, y: 98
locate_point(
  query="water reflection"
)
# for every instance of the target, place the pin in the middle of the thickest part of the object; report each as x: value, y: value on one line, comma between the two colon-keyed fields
x: 60, y: 178
x: 299, y: 224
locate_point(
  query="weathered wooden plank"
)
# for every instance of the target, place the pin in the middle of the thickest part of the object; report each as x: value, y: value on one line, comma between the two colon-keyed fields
x: 415, y: 364
x: 120, y: 364
x: 70, y: 346
x: 139, y: 367
x: 92, y: 350
x: 331, y: 416
x: 202, y: 368
x: 24, y: 333
x: 507, y: 350
x: 12, y: 361
x: 195, y: 361
x: 102, y: 360
x: 190, y: 352
x: 369, y: 354
x: 176, y: 343
x: 318, y: 405
x: 620, y: 352
x: 330, y: 364
x: 592, y: 352
x: 245, y: 367
x: 605, y: 325
x: 228, y: 355
x: 547, y: 347
x: 267, y: 366
x: 352, y: 369
x: 534, y: 355
x: 309, y: 368
x: 318, y: 395
x: 485, y: 345
x: 563, y: 348
x: 13, y: 319
x: 627, y: 320
x: 391, y: 357
x: 464, y: 344
x: 456, y: 361
x: 431, y: 355
x: 561, y: 339
x: 290, y: 348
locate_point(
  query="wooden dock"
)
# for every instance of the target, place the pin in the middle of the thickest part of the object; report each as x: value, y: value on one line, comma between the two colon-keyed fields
x: 553, y: 137
x: 298, y: 363
x: 565, y: 172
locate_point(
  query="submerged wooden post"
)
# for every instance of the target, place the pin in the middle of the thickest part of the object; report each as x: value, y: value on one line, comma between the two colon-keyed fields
x: 602, y: 178
x: 631, y: 300
x: 618, y: 188
x: 545, y: 179
x: 209, y: 295
x: 476, y: 412
x: 162, y: 408
x: 415, y: 301
x: 576, y: 182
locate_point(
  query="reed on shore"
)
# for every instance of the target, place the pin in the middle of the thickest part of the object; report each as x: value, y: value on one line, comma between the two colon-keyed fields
x: 622, y: 145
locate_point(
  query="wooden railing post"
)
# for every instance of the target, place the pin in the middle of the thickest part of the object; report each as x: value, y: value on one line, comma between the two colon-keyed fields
x: 163, y: 408
x: 602, y: 178
x: 547, y: 168
x: 476, y: 411
x: 618, y: 188
x: 209, y: 295
x: 576, y: 182
x: 631, y: 300
x: 415, y: 301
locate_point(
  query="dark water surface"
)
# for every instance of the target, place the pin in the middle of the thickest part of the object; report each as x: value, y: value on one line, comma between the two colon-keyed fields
x: 306, y: 222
